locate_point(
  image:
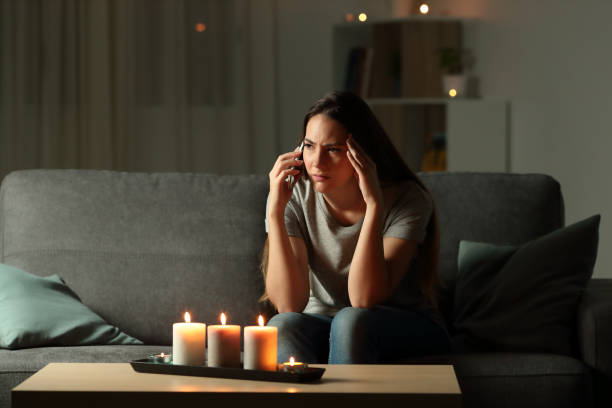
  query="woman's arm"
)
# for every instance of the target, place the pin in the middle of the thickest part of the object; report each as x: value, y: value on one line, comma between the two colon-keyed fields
x: 378, y: 264
x: 287, y: 281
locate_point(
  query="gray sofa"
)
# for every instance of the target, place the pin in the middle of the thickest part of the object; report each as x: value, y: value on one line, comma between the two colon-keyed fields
x: 139, y: 249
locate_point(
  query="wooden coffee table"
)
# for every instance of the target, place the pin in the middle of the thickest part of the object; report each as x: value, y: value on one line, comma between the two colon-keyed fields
x: 118, y: 385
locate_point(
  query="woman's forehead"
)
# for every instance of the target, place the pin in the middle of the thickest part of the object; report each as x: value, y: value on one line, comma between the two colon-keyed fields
x: 325, y: 130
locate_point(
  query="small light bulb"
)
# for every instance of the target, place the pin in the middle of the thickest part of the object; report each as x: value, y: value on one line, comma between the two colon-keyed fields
x: 363, y: 17
x: 424, y: 8
x: 452, y: 93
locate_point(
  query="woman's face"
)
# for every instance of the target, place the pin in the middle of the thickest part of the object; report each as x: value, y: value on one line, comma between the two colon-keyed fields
x: 325, y: 154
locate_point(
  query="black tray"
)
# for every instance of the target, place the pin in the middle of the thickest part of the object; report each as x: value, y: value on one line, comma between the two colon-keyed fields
x: 309, y: 374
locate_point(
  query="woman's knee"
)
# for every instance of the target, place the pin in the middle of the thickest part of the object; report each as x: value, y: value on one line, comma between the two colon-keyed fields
x: 353, y: 322
x: 287, y: 321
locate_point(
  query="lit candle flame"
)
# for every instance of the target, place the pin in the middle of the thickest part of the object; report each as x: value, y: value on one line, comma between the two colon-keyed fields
x: 162, y: 355
x: 187, y: 317
x: 223, y: 319
x: 291, y: 361
x: 260, y: 320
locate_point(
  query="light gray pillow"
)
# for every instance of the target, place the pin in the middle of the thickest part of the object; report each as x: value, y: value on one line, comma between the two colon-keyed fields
x: 36, y: 312
x: 523, y: 298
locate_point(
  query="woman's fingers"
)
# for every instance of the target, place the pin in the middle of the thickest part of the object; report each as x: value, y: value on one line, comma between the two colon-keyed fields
x: 356, y: 165
x: 286, y: 172
x: 288, y: 156
x: 358, y: 151
x: 282, y: 175
x: 354, y: 155
x: 286, y: 161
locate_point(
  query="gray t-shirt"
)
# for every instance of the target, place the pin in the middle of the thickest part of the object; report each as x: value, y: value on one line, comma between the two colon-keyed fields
x: 331, y: 245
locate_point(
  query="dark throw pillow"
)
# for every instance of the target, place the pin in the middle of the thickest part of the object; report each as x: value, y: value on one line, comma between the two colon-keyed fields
x: 36, y: 312
x: 523, y: 298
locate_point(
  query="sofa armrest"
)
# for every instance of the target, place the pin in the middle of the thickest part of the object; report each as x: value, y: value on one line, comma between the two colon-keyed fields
x: 595, y: 326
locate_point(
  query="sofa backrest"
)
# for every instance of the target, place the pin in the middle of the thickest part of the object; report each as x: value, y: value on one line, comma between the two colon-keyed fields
x: 140, y: 249
x: 498, y: 208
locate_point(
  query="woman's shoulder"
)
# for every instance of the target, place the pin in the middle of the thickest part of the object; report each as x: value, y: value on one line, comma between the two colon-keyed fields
x: 406, y: 193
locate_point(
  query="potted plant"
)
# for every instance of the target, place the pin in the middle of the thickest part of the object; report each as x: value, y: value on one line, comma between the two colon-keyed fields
x: 452, y: 63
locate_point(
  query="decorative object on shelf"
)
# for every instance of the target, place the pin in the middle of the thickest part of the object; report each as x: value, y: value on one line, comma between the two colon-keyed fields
x: 359, y: 71
x: 452, y: 64
x: 349, y: 17
x: 395, y: 73
x: 435, y: 154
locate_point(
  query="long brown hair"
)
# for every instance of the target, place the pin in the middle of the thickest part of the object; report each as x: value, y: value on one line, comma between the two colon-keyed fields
x: 358, y: 119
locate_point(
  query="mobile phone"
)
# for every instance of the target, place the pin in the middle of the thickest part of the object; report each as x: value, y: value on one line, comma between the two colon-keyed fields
x: 290, y: 178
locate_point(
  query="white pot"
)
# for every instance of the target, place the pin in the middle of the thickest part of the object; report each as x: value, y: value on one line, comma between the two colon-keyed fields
x: 453, y: 82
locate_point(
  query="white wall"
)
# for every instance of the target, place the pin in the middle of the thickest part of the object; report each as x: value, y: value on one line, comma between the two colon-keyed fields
x: 552, y: 59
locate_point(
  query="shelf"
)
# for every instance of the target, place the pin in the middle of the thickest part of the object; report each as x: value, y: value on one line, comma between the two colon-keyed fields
x: 407, y: 19
x: 426, y: 101
x: 408, y: 101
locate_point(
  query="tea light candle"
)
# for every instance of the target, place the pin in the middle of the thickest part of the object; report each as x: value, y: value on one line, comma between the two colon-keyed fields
x: 293, y: 366
x: 188, y: 342
x: 161, y: 358
x: 260, y: 347
x: 224, y: 344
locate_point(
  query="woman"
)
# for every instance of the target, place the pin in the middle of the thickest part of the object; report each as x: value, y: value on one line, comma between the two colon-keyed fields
x: 350, y: 259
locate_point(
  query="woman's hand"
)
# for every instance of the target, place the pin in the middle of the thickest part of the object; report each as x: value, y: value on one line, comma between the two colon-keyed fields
x: 280, y: 190
x: 365, y: 169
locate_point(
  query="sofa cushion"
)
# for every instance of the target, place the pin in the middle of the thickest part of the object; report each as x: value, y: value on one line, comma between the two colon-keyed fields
x: 523, y: 298
x: 37, y: 311
x: 499, y: 208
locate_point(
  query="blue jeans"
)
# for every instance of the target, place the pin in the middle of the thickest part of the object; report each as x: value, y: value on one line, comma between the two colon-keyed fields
x: 358, y: 336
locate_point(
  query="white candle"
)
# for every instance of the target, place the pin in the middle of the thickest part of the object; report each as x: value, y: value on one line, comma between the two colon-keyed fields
x: 260, y: 347
x: 188, y: 342
x: 224, y: 344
